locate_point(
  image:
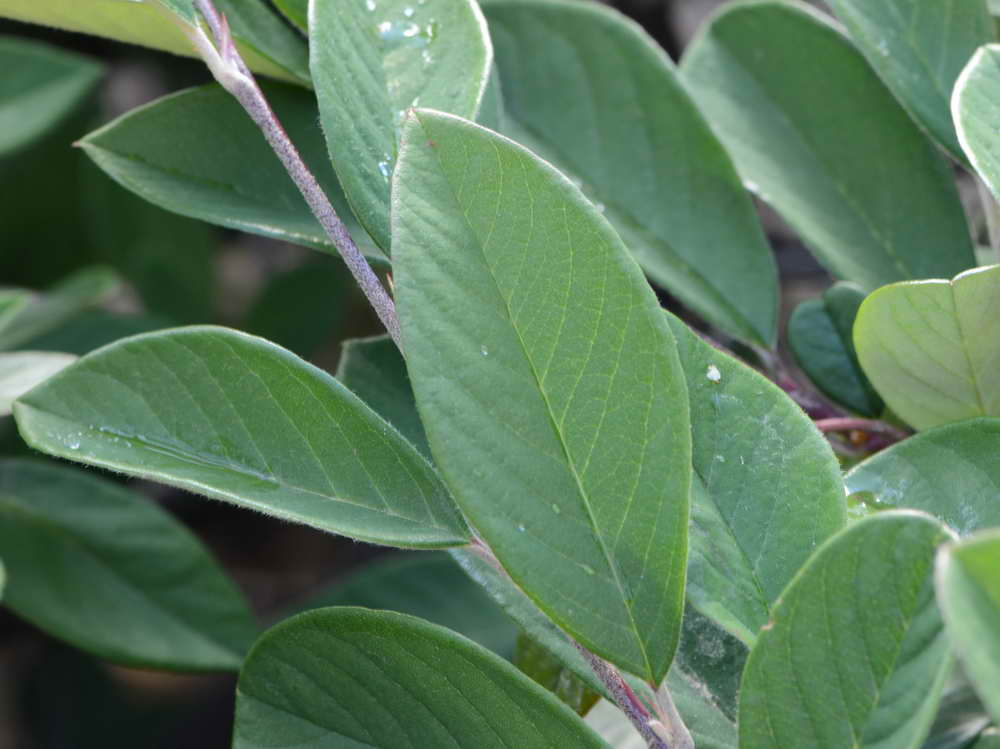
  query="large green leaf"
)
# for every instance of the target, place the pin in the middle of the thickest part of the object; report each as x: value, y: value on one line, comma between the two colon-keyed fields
x: 593, y: 94
x: 22, y: 370
x: 814, y: 132
x: 374, y: 59
x: 92, y: 329
x: 429, y: 585
x: 977, y: 114
x: 234, y: 417
x: 856, y: 655
x: 548, y: 382
x: 42, y: 85
x: 268, y: 46
x: 932, y: 348
x: 820, y: 334
x: 767, y: 488
x: 950, y: 472
x: 919, y: 48
x: 29, y: 316
x: 350, y: 677
x: 968, y: 591
x: 102, y: 568
x: 198, y: 154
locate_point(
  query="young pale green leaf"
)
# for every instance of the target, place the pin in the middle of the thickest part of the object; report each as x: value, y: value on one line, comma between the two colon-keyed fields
x: 548, y: 381
x: 97, y: 565
x: 197, y: 153
x: 592, y: 93
x: 976, y: 113
x: 22, y: 370
x: 814, y: 132
x: 820, y: 334
x: 429, y: 585
x: 267, y: 46
x: 968, y: 591
x: 950, y: 472
x: 932, y: 348
x: 351, y: 677
x: 855, y: 655
x: 375, y: 371
x: 234, y: 417
x: 27, y: 316
x: 919, y: 48
x: 374, y: 59
x: 767, y: 488
x: 42, y: 85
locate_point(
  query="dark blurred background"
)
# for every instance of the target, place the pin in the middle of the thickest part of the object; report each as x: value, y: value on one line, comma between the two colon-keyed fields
x: 58, y: 213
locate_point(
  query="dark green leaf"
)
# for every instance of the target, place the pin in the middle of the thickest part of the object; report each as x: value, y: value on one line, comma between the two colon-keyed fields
x: 347, y: 677
x: 198, y: 154
x: 42, y: 84
x: 534, y: 660
x: 92, y: 329
x: 968, y: 590
x: 932, y: 348
x: 22, y: 370
x: 429, y: 585
x: 102, y: 568
x: 592, y: 93
x: 374, y: 59
x: 548, y: 382
x: 820, y: 334
x: 919, y: 48
x: 856, y: 655
x: 950, y: 472
x: 234, y: 417
x: 814, y: 132
x: 296, y: 11
x: 989, y: 739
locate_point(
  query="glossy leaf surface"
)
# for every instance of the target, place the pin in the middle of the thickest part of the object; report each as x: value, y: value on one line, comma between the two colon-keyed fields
x: 592, y: 93
x: 42, y: 85
x: 856, y: 654
x: 919, y: 48
x: 950, y: 472
x: 977, y: 114
x: 815, y: 133
x: 820, y: 334
x: 932, y: 348
x: 106, y: 570
x: 353, y: 677
x: 968, y: 590
x: 198, y: 154
x: 547, y: 379
x: 22, y: 370
x: 373, y: 60
x: 767, y: 488
x: 237, y: 418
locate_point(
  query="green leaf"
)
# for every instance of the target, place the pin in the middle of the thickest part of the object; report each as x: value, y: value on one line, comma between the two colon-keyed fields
x: 856, y: 655
x: 815, y: 133
x: 977, y: 114
x: 374, y: 59
x: 296, y: 11
x: 266, y: 46
x: 820, y: 334
x: 42, y: 85
x: 22, y: 370
x: 989, y: 739
x: 932, y: 348
x: 767, y: 488
x: 918, y: 49
x: 99, y: 566
x: 375, y: 371
x: 429, y: 585
x: 593, y: 94
x: 92, y: 329
x: 354, y: 677
x: 237, y: 418
x: 968, y: 591
x: 198, y: 154
x: 28, y: 317
x: 548, y: 382
x: 950, y: 472
x: 534, y: 659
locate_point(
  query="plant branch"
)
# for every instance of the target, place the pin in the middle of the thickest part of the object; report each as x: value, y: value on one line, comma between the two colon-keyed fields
x: 232, y: 73
x: 848, y: 424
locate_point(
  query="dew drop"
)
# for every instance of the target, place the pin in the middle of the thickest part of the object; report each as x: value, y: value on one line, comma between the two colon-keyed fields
x: 370, y: 4
x: 520, y: 529
x: 73, y: 442
x: 556, y: 510
x: 484, y: 351
x: 599, y: 207
x: 385, y: 168
x: 408, y: 11
x: 588, y: 569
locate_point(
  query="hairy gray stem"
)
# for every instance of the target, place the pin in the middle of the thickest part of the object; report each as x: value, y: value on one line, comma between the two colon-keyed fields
x: 231, y: 72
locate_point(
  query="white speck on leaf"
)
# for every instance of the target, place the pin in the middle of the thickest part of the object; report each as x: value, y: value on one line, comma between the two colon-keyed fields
x: 713, y: 373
